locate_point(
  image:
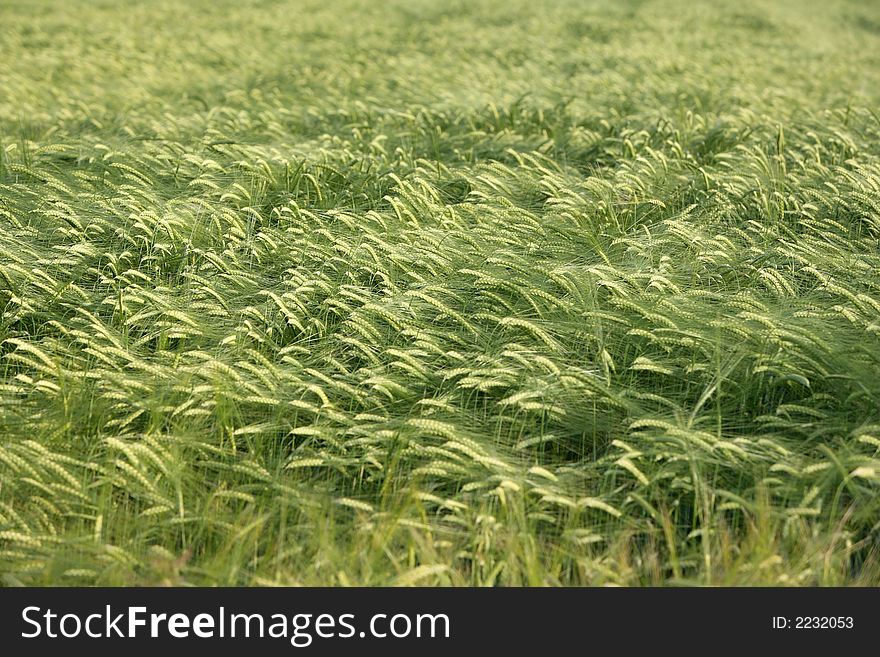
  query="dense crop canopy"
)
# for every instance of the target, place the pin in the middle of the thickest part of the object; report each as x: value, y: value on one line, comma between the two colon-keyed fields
x: 489, y: 292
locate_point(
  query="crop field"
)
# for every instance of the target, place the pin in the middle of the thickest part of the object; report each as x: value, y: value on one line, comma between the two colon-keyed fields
x: 500, y: 292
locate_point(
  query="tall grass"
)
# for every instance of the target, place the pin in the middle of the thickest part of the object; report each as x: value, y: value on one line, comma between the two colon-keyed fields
x: 493, y: 293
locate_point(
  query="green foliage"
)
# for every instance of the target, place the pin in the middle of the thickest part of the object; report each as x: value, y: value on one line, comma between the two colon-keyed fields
x: 462, y: 293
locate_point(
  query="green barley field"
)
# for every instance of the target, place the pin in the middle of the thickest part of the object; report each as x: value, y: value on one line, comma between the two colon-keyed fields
x: 503, y: 292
